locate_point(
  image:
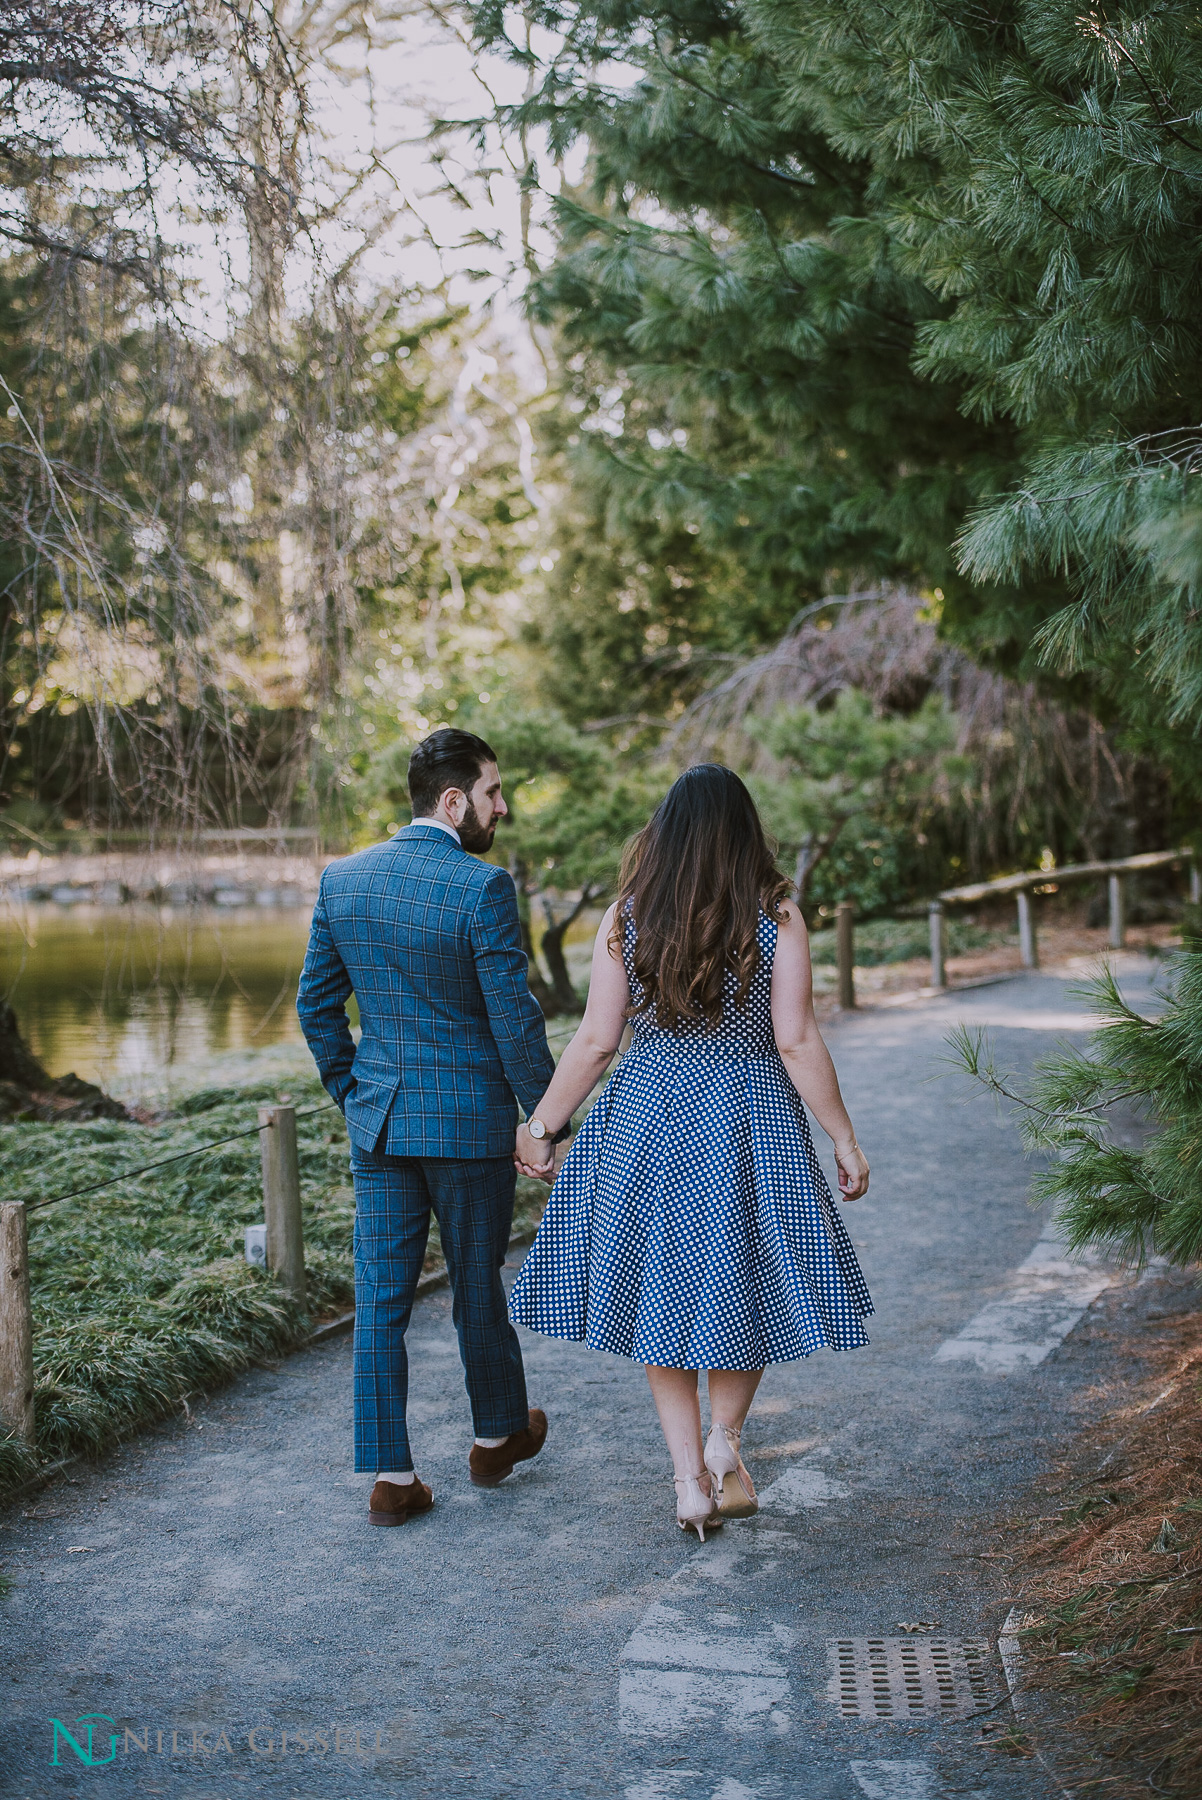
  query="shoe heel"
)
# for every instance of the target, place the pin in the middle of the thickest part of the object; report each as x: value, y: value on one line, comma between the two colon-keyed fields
x: 696, y: 1509
x: 730, y: 1483
x: 491, y: 1481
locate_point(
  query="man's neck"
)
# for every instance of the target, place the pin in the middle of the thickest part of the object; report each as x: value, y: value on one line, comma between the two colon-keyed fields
x: 443, y: 824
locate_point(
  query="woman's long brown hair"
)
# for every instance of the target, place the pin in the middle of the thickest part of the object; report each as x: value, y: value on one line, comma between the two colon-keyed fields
x: 694, y: 881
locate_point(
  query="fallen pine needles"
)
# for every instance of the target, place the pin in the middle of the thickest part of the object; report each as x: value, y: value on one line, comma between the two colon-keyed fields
x: 1114, y: 1590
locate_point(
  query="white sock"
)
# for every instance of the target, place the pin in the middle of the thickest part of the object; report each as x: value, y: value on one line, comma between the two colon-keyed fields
x: 399, y: 1477
x: 490, y: 1443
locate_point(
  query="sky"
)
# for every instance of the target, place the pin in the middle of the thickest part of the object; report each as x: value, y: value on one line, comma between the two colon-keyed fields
x: 380, y: 111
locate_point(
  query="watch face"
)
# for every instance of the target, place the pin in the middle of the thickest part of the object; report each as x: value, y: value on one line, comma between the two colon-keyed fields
x: 536, y: 1128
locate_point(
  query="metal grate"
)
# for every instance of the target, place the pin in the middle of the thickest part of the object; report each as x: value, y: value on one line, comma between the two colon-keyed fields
x: 909, y: 1678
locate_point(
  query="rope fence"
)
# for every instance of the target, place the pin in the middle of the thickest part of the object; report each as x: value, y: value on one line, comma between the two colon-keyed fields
x: 163, y: 1162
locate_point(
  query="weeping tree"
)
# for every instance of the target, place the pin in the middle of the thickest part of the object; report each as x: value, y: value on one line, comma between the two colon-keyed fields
x: 1000, y: 771
x: 118, y: 426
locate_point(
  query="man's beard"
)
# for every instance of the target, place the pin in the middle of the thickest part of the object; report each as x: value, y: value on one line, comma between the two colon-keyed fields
x: 473, y: 833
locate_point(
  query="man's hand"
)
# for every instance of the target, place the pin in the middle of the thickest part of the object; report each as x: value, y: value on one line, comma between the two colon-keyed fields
x: 535, y: 1156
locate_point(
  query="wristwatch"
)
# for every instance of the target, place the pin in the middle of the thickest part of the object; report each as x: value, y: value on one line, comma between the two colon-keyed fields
x: 536, y: 1128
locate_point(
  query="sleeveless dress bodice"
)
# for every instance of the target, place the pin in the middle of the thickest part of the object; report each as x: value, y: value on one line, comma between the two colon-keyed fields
x: 743, y: 1030
x: 691, y: 1225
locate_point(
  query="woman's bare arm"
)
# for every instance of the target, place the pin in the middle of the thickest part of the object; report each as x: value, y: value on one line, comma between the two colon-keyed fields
x: 586, y: 1058
x: 805, y: 1056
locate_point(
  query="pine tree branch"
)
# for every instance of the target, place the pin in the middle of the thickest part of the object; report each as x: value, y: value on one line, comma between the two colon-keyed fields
x: 726, y: 104
x: 1116, y: 43
x: 972, y: 1054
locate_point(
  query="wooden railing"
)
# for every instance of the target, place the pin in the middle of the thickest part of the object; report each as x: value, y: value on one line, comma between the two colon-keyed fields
x: 1022, y: 886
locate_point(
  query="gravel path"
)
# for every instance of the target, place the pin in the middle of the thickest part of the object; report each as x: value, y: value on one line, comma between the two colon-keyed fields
x: 213, y: 1589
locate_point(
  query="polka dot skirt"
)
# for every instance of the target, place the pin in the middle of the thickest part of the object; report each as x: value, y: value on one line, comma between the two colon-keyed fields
x: 691, y: 1225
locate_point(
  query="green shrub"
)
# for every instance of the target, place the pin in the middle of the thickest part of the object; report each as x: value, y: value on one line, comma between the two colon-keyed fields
x: 1141, y: 1201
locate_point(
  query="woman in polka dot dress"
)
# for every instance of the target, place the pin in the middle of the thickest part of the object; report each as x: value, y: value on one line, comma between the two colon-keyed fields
x: 690, y: 1226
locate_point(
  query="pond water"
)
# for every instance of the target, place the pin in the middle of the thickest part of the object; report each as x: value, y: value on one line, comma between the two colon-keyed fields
x: 128, y: 996
x: 122, y: 995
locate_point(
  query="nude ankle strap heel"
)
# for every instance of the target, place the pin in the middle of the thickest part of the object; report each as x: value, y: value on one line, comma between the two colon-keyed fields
x: 730, y: 1483
x: 694, y: 1507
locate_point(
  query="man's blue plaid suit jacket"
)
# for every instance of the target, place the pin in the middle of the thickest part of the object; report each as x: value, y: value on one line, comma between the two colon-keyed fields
x: 428, y: 939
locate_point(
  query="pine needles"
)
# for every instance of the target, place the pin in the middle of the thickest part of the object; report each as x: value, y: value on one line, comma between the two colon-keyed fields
x: 884, y: 292
x: 1140, y: 1201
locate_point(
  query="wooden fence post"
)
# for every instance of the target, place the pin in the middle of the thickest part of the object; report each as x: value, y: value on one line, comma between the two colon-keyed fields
x: 16, y: 1323
x: 1118, y: 911
x: 938, y: 923
x: 281, y: 1197
x: 845, y: 953
x: 1028, y: 940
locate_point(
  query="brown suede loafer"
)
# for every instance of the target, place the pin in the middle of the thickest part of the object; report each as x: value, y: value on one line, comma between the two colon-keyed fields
x: 392, y: 1502
x: 488, y: 1468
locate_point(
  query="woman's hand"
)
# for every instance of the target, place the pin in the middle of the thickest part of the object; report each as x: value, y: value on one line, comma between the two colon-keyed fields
x: 853, y: 1171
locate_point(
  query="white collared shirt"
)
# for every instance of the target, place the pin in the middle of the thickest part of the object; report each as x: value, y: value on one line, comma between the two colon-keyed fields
x: 442, y: 826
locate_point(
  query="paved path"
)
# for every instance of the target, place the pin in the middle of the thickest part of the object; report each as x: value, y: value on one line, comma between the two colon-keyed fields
x: 559, y: 1636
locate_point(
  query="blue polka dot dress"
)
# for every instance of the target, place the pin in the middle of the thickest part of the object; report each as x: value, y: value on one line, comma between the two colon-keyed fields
x: 691, y: 1225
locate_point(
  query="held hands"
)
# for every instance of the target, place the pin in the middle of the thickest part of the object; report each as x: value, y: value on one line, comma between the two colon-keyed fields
x: 853, y: 1171
x: 538, y: 1157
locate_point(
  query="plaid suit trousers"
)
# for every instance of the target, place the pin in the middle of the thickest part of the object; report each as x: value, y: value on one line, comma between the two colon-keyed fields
x: 473, y: 1203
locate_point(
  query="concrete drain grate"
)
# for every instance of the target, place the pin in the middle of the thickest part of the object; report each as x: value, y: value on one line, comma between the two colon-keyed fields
x: 909, y: 1678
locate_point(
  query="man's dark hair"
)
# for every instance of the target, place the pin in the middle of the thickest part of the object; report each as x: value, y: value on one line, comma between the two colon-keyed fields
x: 446, y: 759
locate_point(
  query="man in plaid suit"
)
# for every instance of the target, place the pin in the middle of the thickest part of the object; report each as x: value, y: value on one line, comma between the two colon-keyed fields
x: 427, y: 938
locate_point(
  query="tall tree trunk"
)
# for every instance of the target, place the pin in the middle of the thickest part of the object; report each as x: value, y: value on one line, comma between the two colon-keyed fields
x: 534, y: 975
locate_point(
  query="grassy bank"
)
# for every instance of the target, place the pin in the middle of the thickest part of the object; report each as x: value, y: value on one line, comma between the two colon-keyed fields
x: 141, y: 1294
